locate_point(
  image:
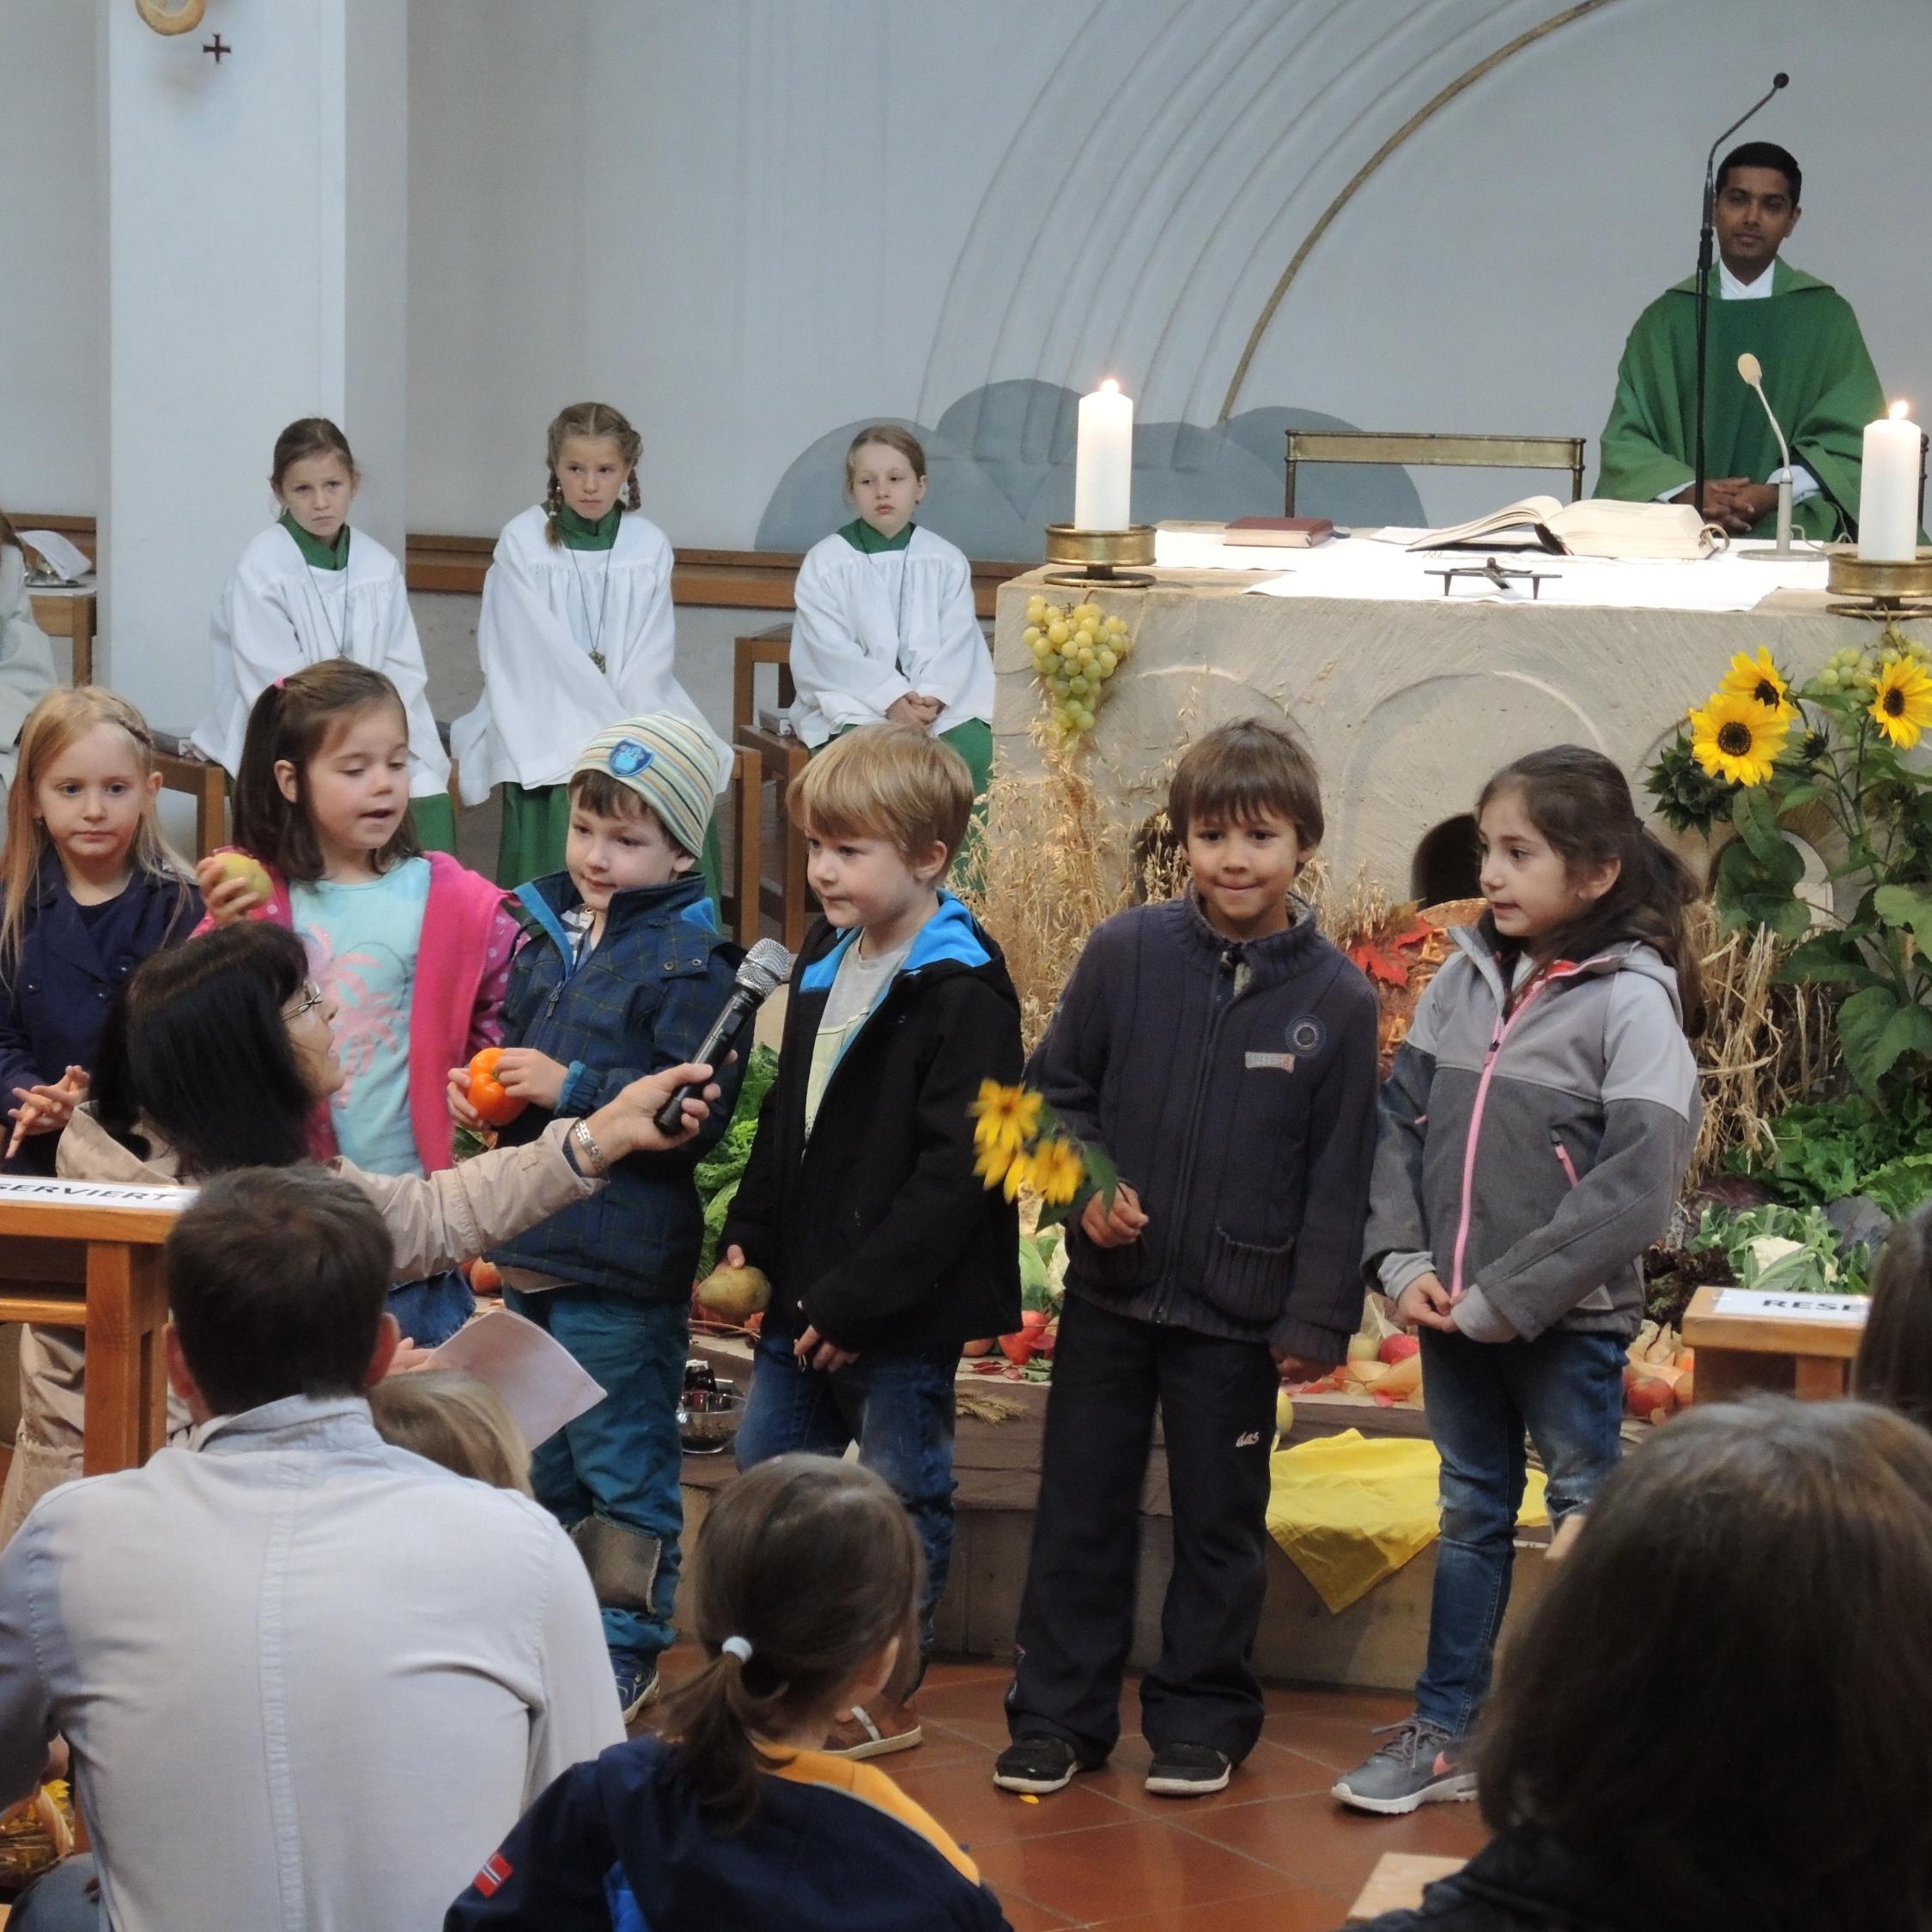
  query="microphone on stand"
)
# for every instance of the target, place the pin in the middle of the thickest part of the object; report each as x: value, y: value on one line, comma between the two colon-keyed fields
x: 1752, y: 371
x: 1706, y: 242
x: 760, y: 974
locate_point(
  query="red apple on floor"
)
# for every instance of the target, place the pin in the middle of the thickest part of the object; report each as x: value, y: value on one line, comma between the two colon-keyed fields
x: 1398, y: 1348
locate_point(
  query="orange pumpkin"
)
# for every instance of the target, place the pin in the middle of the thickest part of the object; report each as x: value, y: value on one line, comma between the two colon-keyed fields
x: 488, y: 1095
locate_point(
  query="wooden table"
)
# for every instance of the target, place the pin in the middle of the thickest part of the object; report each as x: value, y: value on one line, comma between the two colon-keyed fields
x: 1793, y: 1345
x: 78, y: 1255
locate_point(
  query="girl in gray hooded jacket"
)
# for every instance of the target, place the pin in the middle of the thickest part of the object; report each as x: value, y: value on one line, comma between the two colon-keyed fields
x: 1535, y: 1132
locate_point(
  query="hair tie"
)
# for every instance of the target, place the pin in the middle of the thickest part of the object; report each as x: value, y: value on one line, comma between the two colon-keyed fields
x: 738, y: 1647
x: 282, y: 684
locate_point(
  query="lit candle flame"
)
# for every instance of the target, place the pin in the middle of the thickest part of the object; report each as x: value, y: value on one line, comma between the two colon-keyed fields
x: 1897, y: 411
x: 1112, y: 388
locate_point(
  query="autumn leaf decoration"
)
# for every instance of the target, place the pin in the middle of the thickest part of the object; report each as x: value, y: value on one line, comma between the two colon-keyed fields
x: 1390, y: 953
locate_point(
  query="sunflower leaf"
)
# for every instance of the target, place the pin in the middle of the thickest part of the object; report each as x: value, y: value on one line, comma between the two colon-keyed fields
x: 1903, y: 905
x: 1826, y: 959
x: 1876, y: 1029
x: 1756, y: 819
x: 1749, y: 895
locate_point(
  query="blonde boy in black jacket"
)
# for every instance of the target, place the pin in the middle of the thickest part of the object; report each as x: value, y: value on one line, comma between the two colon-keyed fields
x: 1223, y: 1053
x: 886, y: 1252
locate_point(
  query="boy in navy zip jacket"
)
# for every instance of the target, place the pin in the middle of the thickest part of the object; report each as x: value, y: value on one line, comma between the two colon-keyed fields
x: 1223, y: 1053
x: 885, y: 1251
x: 624, y: 973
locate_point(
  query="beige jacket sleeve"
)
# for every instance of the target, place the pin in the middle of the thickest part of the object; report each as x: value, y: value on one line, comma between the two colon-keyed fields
x: 437, y: 1220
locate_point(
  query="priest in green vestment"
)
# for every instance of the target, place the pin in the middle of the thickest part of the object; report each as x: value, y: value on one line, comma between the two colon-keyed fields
x: 1817, y: 373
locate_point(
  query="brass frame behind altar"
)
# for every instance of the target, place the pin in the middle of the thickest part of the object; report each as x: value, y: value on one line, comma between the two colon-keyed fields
x: 1427, y: 449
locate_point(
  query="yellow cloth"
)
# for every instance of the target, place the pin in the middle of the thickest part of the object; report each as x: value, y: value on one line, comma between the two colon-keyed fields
x: 1349, y: 1511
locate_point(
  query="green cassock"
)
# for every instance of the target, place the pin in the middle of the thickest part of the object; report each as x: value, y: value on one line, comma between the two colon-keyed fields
x: 1818, y: 375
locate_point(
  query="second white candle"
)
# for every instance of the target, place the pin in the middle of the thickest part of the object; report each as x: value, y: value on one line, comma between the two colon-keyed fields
x: 1104, y: 460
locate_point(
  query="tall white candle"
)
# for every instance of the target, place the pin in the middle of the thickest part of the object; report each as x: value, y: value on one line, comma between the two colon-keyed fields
x: 1104, y: 460
x: 1887, y: 490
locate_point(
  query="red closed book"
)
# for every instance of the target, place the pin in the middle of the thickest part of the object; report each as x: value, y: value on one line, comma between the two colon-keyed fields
x: 1280, y: 533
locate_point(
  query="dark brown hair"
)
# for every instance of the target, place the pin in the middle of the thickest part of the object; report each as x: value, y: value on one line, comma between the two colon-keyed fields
x: 1722, y: 1698
x: 907, y: 445
x: 313, y: 435
x: 814, y: 1562
x: 595, y: 422
x: 1581, y: 802
x: 195, y: 1049
x: 277, y: 1278
x: 1894, y: 1365
x: 609, y: 797
x: 1236, y: 772
x: 297, y: 718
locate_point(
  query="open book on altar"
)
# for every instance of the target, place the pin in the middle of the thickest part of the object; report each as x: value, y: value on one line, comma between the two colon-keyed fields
x: 1596, y: 526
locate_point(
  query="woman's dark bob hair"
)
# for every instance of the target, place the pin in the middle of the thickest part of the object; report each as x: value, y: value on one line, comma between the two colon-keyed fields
x: 197, y: 1053
x: 1720, y: 1704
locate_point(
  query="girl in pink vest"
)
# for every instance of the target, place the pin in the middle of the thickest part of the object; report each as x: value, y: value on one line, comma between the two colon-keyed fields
x: 413, y: 948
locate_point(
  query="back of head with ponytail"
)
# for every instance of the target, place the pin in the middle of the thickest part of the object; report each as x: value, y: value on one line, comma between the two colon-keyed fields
x: 813, y: 1564
x: 1581, y: 802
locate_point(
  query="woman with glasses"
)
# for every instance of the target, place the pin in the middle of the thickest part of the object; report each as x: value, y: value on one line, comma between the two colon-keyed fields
x: 214, y: 1056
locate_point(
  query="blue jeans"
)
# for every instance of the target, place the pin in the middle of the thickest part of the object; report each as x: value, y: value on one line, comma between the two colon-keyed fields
x: 621, y: 1460
x: 1566, y: 1392
x: 895, y: 1405
x: 430, y: 1311
x: 64, y: 1901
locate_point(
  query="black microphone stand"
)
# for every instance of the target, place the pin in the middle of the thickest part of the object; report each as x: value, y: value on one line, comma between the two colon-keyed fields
x: 1707, y: 235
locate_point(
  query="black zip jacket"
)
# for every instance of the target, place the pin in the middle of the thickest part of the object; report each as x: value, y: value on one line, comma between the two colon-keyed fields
x: 1235, y: 1086
x: 877, y: 1231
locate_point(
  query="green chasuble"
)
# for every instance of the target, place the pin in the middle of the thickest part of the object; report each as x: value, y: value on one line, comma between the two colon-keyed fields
x: 317, y: 555
x: 1818, y: 375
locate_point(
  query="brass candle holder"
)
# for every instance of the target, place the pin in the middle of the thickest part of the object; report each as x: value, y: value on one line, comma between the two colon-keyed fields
x: 1881, y: 591
x: 1107, y: 558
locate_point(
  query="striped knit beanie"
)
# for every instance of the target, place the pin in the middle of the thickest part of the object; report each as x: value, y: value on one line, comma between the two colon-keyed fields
x: 669, y: 763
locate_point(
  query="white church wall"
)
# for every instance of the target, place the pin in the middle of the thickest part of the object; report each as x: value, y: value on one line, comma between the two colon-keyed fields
x: 753, y: 222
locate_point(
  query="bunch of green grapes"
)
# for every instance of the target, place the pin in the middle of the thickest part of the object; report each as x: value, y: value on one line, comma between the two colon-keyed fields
x: 1076, y: 648
x: 1854, y: 671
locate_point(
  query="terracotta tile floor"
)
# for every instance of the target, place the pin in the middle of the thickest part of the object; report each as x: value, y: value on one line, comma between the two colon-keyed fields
x: 1273, y: 1853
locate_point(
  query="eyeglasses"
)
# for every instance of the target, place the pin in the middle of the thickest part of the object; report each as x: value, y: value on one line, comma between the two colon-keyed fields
x: 312, y: 996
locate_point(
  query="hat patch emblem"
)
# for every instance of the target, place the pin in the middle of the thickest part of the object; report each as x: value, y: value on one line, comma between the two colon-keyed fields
x: 629, y: 758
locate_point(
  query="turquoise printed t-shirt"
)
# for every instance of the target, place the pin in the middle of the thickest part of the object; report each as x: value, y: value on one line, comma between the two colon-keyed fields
x: 362, y: 943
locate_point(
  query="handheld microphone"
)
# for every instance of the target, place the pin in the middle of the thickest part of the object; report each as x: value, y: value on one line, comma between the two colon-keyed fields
x: 760, y: 974
x: 1752, y: 371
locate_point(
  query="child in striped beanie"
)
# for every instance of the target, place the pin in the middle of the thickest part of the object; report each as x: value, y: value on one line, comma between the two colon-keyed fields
x: 624, y: 971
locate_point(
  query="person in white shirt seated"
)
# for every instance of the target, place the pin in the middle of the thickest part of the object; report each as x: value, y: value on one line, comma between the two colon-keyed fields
x: 307, y: 1679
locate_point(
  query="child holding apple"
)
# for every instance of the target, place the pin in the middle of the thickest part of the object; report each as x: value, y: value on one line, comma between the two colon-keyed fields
x: 413, y: 949
x: 92, y: 889
x: 310, y: 588
x: 1223, y: 1053
x: 623, y: 973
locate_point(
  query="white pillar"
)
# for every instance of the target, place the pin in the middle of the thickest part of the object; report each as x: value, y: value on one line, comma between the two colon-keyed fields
x: 257, y: 242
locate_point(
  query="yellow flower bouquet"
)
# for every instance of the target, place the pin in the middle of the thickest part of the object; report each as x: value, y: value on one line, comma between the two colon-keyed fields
x: 1020, y: 1144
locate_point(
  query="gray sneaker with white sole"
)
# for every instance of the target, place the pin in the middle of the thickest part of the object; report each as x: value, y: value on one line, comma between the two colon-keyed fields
x: 1420, y: 1766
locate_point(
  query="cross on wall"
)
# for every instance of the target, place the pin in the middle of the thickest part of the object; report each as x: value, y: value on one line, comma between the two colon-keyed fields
x: 217, y: 47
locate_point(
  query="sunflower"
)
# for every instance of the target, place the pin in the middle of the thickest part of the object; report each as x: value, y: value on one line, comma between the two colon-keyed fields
x: 1758, y: 679
x: 1902, y: 706
x: 1019, y: 1172
x: 1735, y: 737
x: 992, y: 1163
x: 1057, y: 1170
x: 1004, y: 1117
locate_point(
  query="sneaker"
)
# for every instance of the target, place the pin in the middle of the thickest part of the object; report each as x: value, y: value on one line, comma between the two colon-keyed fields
x: 1036, y: 1766
x: 1418, y: 1766
x: 637, y: 1683
x: 874, y: 1731
x: 1188, y: 1770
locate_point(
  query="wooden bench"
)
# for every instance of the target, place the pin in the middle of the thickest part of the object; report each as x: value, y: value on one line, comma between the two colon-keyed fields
x: 787, y: 898
x: 70, y: 614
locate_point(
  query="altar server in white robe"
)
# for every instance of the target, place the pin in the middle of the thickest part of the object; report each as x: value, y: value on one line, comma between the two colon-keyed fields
x: 27, y: 671
x: 885, y: 625
x: 576, y: 634
x: 310, y: 588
